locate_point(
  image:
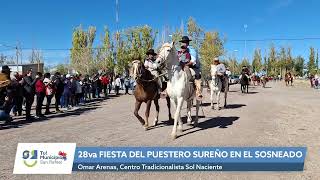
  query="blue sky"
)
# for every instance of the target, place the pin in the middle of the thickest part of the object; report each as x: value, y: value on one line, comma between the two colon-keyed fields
x: 48, y: 24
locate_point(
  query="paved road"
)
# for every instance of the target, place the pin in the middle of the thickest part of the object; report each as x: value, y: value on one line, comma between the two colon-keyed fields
x: 274, y: 116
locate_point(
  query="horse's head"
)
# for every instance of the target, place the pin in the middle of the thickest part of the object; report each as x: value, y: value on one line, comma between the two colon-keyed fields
x: 167, y: 51
x: 137, y: 69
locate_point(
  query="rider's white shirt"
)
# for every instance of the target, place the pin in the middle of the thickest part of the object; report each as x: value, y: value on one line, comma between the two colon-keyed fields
x: 221, y: 69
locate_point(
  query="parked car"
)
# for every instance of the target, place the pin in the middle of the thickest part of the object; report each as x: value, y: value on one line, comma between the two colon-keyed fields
x: 234, y: 79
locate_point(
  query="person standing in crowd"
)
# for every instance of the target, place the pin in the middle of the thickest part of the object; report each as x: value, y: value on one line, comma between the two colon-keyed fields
x: 67, y: 92
x: 117, y: 84
x: 73, y: 90
x: 94, y: 86
x: 105, y: 83
x: 78, y: 90
x: 49, y: 88
x: 110, y: 82
x: 122, y: 83
x: 29, y: 91
x: 99, y: 86
x: 86, y: 88
x: 58, y: 86
x: 6, y: 94
x: 40, y: 92
x: 17, y: 82
x: 127, y: 84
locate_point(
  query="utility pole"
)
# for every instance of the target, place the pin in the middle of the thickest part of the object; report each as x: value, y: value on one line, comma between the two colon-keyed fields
x: 17, y: 60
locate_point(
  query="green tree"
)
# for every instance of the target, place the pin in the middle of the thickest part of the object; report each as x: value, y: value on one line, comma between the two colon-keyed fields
x: 245, y: 62
x: 82, y: 59
x: 176, y: 37
x: 281, y: 63
x: 212, y: 46
x: 272, y: 61
x: 107, y: 52
x: 234, y: 66
x: 256, y: 63
x: 289, y: 65
x: 298, y: 66
x: 62, y: 68
x: 195, y: 32
x: 311, y: 65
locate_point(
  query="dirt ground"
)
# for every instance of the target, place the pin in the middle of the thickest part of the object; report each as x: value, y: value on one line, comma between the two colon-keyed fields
x: 274, y: 116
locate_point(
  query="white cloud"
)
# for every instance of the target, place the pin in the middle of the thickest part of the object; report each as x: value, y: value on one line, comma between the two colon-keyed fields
x: 279, y: 4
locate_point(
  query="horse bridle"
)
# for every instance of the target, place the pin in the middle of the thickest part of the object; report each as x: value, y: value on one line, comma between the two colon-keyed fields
x: 162, y: 57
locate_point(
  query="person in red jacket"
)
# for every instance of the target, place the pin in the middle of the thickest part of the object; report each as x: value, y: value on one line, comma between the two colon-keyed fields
x: 41, y: 93
x: 105, y: 83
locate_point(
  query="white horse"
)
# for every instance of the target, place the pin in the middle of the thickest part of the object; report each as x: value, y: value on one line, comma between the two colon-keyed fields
x: 216, y: 87
x: 179, y: 88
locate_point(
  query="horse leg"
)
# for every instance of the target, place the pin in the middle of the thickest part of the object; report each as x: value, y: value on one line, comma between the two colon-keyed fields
x: 247, y: 89
x: 147, y: 113
x: 197, y: 113
x: 136, y: 112
x: 169, y: 108
x: 177, y: 117
x: 225, y: 97
x: 189, y: 104
x: 156, y: 103
x: 218, y: 100
x: 211, y: 98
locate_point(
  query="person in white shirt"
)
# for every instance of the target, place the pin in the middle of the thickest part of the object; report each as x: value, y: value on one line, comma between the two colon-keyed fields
x: 151, y: 65
x: 221, y: 71
x: 117, y: 84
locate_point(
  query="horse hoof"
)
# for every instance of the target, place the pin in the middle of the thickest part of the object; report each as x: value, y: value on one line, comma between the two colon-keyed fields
x: 195, y: 124
x: 146, y: 127
x: 173, y: 136
x: 155, y: 122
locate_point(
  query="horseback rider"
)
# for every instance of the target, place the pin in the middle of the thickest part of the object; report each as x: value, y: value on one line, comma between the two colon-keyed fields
x: 189, y: 60
x: 151, y: 65
x: 221, y: 71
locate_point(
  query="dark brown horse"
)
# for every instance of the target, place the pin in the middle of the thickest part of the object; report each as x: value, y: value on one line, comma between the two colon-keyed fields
x: 288, y: 78
x: 146, y: 91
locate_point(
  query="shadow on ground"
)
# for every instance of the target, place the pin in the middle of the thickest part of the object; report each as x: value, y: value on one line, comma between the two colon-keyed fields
x: 21, y: 122
x: 220, y: 122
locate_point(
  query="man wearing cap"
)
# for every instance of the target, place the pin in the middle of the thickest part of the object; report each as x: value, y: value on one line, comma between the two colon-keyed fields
x: 151, y: 65
x: 221, y: 71
x: 192, y: 63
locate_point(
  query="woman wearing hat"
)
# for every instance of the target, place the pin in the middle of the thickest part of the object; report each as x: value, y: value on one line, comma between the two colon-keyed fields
x: 151, y: 65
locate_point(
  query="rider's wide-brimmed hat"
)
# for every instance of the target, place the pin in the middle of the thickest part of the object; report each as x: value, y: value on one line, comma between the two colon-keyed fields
x: 216, y: 59
x: 6, y: 68
x: 4, y: 81
x: 151, y: 51
x: 185, y: 39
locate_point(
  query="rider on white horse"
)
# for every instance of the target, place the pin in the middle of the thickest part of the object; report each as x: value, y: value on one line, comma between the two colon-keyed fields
x: 192, y: 63
x: 221, y: 70
x: 151, y: 65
